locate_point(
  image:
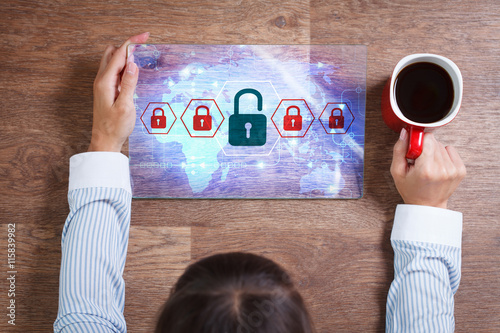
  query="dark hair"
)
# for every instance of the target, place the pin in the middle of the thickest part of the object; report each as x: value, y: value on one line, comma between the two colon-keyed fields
x: 234, y: 293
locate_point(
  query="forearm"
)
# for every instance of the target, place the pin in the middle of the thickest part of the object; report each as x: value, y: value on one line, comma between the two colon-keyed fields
x: 94, y: 245
x: 427, y: 260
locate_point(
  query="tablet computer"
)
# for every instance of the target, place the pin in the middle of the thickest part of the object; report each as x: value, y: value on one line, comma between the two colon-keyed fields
x: 248, y: 121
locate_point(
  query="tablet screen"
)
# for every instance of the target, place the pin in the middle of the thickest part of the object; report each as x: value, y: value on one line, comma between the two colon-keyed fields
x: 248, y: 121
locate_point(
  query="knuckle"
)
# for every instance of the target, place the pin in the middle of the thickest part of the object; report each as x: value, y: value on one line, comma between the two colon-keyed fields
x: 393, y: 171
x: 121, y: 108
x: 453, y: 173
x: 430, y: 137
x: 463, y: 171
x: 445, y: 173
x: 427, y: 174
x: 98, y: 84
x: 395, y: 149
x: 127, y: 86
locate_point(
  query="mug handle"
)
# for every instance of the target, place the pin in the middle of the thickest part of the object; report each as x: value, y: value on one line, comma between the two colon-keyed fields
x: 415, y: 142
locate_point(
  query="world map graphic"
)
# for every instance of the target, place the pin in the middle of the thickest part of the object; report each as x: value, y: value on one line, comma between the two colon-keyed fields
x: 181, y: 88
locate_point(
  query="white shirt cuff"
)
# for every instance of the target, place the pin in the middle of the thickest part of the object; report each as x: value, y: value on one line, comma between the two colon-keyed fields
x: 427, y: 224
x: 99, y: 169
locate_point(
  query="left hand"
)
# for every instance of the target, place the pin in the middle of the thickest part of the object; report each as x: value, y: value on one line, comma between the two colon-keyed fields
x: 114, y: 111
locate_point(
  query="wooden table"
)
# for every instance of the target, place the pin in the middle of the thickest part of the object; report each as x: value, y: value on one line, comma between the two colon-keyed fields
x: 338, y: 251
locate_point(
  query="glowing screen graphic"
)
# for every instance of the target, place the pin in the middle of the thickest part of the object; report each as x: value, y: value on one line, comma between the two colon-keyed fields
x: 248, y: 121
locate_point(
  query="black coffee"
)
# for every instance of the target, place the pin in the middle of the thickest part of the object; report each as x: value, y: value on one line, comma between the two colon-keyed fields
x: 424, y: 92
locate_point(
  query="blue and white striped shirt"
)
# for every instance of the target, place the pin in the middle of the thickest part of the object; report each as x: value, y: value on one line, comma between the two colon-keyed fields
x: 427, y: 260
x: 426, y: 242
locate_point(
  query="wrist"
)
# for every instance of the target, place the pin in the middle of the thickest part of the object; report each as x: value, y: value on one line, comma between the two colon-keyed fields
x: 443, y: 204
x: 99, y: 144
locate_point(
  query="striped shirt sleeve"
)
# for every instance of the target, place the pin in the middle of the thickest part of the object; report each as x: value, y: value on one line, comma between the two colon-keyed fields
x: 94, y: 245
x: 427, y: 262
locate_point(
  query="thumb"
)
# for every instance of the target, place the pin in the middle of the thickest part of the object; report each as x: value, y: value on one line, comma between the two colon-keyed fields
x: 128, y: 83
x: 399, y: 163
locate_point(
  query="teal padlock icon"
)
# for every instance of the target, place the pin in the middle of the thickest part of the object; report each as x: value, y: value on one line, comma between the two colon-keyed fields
x: 247, y: 129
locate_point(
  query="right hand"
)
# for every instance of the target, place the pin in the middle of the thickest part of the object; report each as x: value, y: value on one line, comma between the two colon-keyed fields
x: 433, y: 178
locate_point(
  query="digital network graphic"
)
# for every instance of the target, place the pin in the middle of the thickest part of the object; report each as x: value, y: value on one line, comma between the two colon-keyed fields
x: 248, y: 121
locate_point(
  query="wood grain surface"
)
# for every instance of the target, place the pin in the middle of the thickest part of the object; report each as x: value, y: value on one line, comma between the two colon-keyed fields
x: 337, y: 251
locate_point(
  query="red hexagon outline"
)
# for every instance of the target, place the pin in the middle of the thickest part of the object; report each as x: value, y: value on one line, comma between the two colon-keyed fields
x: 187, y: 107
x: 293, y: 136
x: 147, y: 129
x: 348, y: 108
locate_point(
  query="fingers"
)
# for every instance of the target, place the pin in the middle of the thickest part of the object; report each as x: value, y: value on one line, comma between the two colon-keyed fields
x: 108, y: 53
x: 426, y: 160
x: 446, y: 160
x: 128, y: 83
x: 429, y: 146
x: 117, y: 62
x: 457, y: 161
x: 399, y: 163
x: 438, y: 161
x: 433, y: 178
x: 107, y: 83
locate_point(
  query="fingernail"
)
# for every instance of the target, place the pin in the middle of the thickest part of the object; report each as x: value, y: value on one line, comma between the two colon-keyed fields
x: 403, y: 135
x: 131, y: 68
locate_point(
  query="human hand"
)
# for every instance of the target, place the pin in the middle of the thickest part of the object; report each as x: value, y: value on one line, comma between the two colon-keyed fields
x: 114, y: 85
x: 433, y: 178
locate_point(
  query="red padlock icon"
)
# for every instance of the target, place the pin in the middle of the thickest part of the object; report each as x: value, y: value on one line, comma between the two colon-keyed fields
x: 158, y: 121
x: 292, y: 122
x: 202, y: 122
x: 336, y: 121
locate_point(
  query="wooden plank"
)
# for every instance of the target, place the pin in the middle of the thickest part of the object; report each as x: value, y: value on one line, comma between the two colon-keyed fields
x: 36, y: 277
x: 157, y: 256
x: 343, y: 275
x: 468, y: 33
x: 50, y: 55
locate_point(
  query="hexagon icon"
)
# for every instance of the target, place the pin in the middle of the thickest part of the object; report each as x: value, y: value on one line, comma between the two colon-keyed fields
x: 202, y: 118
x: 248, y: 107
x: 292, y: 118
x: 158, y: 118
x: 336, y: 118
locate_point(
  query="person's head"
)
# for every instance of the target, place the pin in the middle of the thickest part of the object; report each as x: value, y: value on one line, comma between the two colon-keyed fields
x: 234, y: 293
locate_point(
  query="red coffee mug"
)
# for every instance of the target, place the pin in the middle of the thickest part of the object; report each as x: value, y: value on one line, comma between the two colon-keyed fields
x: 395, y: 119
